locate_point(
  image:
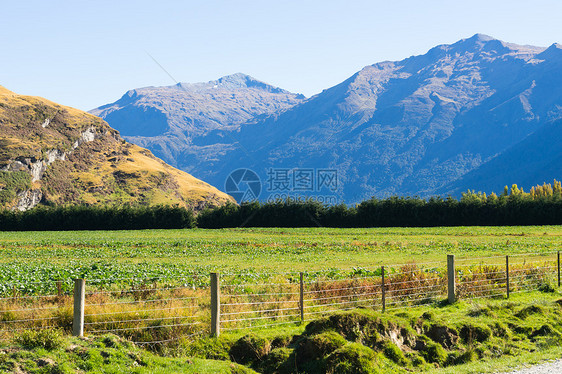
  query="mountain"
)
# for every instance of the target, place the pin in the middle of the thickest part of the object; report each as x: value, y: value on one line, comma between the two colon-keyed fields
x: 411, y: 127
x: 53, y: 154
x: 185, y: 124
x: 534, y: 160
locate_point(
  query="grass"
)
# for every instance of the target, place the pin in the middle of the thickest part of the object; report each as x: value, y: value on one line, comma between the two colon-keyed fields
x: 104, y: 354
x: 474, y: 336
x: 262, y: 254
x: 357, y: 341
x: 40, y: 256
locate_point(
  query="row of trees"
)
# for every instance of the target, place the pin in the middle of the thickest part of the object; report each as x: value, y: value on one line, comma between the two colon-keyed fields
x: 97, y: 218
x: 541, y: 206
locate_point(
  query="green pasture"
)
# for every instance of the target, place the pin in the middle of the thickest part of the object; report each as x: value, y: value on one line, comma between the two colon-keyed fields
x: 106, y: 255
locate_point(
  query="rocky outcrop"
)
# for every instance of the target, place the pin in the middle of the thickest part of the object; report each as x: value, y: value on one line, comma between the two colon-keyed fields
x: 28, y: 199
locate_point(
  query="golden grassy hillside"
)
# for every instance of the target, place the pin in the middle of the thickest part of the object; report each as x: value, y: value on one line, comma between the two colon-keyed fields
x: 60, y: 155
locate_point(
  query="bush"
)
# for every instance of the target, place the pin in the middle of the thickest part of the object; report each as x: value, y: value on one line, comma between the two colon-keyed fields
x: 459, y: 358
x: 208, y: 348
x: 97, y: 218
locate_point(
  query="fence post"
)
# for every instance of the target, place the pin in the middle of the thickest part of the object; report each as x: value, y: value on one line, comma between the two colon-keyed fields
x: 558, y: 268
x: 215, y: 305
x: 507, y: 275
x: 301, y: 296
x: 383, y: 290
x: 451, y: 287
x: 79, y: 294
x: 59, y: 288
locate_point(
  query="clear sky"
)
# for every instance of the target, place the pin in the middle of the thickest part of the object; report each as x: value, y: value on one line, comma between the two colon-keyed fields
x: 89, y: 53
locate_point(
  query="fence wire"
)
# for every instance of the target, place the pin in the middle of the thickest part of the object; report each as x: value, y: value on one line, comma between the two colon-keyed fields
x: 156, y: 311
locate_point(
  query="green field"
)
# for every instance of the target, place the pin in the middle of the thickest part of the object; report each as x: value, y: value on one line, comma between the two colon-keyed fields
x: 255, y: 255
x: 107, y: 255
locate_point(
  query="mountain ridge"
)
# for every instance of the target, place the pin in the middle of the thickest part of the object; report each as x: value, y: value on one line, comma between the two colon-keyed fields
x: 407, y: 127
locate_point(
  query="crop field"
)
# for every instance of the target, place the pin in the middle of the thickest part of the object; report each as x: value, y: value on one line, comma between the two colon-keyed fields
x: 27, y: 257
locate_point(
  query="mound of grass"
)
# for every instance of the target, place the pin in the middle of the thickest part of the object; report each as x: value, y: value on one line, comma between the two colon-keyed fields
x: 249, y: 349
x: 353, y: 358
x: 50, y: 352
x: 47, y: 339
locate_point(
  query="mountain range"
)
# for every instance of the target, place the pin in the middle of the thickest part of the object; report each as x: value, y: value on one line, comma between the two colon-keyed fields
x: 477, y: 114
x: 56, y: 155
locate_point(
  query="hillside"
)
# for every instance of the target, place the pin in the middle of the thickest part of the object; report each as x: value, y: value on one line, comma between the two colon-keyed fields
x: 55, y: 155
x: 410, y: 127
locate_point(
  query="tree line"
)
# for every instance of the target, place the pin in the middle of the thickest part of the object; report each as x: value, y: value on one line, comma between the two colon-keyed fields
x: 97, y: 218
x: 542, y: 205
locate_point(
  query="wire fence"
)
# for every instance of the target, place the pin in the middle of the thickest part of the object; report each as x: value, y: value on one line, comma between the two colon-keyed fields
x: 161, y: 310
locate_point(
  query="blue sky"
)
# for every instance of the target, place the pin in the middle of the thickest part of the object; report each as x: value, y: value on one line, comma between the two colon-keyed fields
x: 88, y: 53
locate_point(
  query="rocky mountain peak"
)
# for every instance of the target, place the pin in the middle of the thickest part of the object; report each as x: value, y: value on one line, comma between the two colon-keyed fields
x: 405, y: 127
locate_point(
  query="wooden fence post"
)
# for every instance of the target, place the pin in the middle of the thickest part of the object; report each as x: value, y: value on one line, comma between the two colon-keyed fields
x: 558, y: 256
x: 79, y: 296
x: 59, y: 288
x: 301, y: 296
x: 451, y: 286
x: 383, y: 290
x: 507, y: 275
x: 215, y: 305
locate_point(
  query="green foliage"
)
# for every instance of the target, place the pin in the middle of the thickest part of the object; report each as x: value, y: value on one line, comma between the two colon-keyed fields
x: 473, y: 332
x: 11, y: 183
x: 97, y: 218
x: 278, y: 362
x: 353, y: 358
x: 541, y: 206
x: 249, y: 348
x: 105, y: 354
x: 318, y: 346
x: 394, y: 353
x: 434, y: 352
x: 45, y: 338
x: 208, y: 347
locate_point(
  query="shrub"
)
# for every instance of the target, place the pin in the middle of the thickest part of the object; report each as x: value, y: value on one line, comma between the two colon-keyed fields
x: 459, y: 358
x: 529, y: 310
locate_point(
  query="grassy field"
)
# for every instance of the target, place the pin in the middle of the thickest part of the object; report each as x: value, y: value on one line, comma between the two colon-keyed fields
x: 37, y: 256
x: 471, y: 336
x: 254, y: 255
